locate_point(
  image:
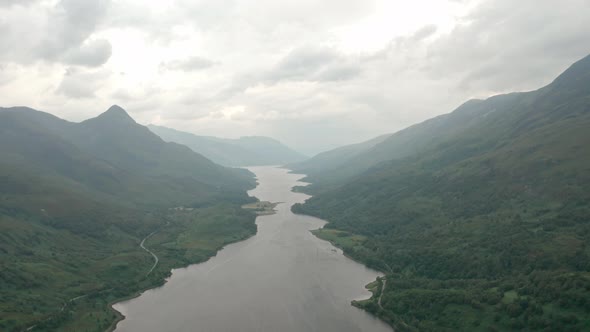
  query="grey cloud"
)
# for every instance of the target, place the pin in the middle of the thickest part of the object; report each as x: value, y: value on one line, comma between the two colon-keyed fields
x: 502, y: 46
x: 72, y: 23
x: 338, y: 72
x: 8, y: 3
x: 122, y: 95
x: 190, y: 64
x: 76, y: 89
x: 91, y: 54
x: 81, y: 84
x: 53, y: 34
x: 314, y: 64
x: 424, y: 32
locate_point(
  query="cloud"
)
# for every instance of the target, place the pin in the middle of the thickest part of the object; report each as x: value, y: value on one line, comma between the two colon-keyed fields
x: 6, y: 75
x: 92, y: 53
x: 189, y: 64
x: 82, y: 84
x: 59, y: 33
x: 9, y: 3
x: 314, y: 64
x: 500, y: 46
x: 424, y: 32
x: 73, y: 22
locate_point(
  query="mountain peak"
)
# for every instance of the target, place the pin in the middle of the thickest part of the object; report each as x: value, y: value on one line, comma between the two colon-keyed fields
x: 116, y: 112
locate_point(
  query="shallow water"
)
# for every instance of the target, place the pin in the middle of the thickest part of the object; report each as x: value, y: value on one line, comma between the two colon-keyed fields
x: 281, y: 279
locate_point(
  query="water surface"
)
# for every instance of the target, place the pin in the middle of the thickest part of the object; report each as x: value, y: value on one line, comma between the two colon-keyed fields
x: 282, y: 279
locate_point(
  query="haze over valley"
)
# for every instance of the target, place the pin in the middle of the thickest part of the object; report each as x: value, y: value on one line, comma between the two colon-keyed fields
x: 294, y: 166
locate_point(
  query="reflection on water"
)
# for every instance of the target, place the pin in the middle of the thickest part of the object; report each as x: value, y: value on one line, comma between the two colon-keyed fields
x: 281, y: 279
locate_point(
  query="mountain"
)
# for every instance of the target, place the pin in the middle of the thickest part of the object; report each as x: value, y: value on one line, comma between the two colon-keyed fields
x: 335, y: 158
x: 77, y: 198
x: 245, y: 151
x: 401, y: 144
x: 479, y: 217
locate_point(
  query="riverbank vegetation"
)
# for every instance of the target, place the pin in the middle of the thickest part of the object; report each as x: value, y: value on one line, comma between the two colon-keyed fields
x: 261, y: 208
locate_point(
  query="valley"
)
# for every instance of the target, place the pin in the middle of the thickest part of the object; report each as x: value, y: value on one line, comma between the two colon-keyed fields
x: 281, y: 279
x: 287, y: 166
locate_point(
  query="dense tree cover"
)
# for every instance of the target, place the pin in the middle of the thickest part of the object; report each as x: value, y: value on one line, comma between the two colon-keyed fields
x: 486, y: 227
x: 77, y: 199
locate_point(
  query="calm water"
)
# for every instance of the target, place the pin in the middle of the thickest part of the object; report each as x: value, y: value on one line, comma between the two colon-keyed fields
x: 282, y: 279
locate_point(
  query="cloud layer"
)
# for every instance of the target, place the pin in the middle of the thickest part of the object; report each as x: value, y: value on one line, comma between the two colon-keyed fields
x: 314, y: 74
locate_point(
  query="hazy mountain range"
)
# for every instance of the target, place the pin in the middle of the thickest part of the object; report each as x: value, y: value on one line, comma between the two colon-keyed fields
x: 244, y: 151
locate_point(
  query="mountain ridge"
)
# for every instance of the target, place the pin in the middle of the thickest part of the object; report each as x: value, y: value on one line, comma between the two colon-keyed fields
x: 245, y: 151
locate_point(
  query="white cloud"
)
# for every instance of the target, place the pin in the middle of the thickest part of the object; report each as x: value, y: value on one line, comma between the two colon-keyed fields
x: 189, y: 64
x: 80, y: 84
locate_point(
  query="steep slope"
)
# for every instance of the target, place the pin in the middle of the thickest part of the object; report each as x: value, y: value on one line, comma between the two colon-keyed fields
x: 77, y: 198
x: 422, y: 136
x: 245, y: 151
x: 406, y: 142
x: 335, y: 158
x: 486, y: 220
x: 116, y: 138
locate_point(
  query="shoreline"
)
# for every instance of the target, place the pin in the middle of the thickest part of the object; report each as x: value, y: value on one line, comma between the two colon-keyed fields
x: 120, y: 317
x: 380, y: 279
x: 354, y: 303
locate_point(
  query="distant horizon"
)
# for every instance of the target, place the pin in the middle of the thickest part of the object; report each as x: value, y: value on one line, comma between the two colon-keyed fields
x: 307, y: 152
x: 314, y: 75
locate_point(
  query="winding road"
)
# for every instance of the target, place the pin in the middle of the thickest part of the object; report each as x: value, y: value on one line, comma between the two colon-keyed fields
x: 156, y: 259
x: 382, y: 291
x: 74, y: 299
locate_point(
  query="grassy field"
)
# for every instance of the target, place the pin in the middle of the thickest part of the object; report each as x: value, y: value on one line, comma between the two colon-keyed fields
x: 342, y: 239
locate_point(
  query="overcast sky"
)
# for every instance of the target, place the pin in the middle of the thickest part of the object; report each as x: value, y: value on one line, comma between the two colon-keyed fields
x: 314, y: 74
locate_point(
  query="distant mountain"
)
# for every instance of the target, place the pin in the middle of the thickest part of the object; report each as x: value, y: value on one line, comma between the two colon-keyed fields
x: 479, y: 217
x: 321, y: 165
x: 245, y: 151
x: 77, y: 198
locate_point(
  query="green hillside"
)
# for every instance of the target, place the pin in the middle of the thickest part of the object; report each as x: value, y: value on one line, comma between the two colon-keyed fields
x: 322, y: 165
x: 245, y: 151
x: 483, y: 224
x: 76, y: 199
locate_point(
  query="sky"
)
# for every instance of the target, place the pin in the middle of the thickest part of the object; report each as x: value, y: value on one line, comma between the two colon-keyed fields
x: 313, y: 74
